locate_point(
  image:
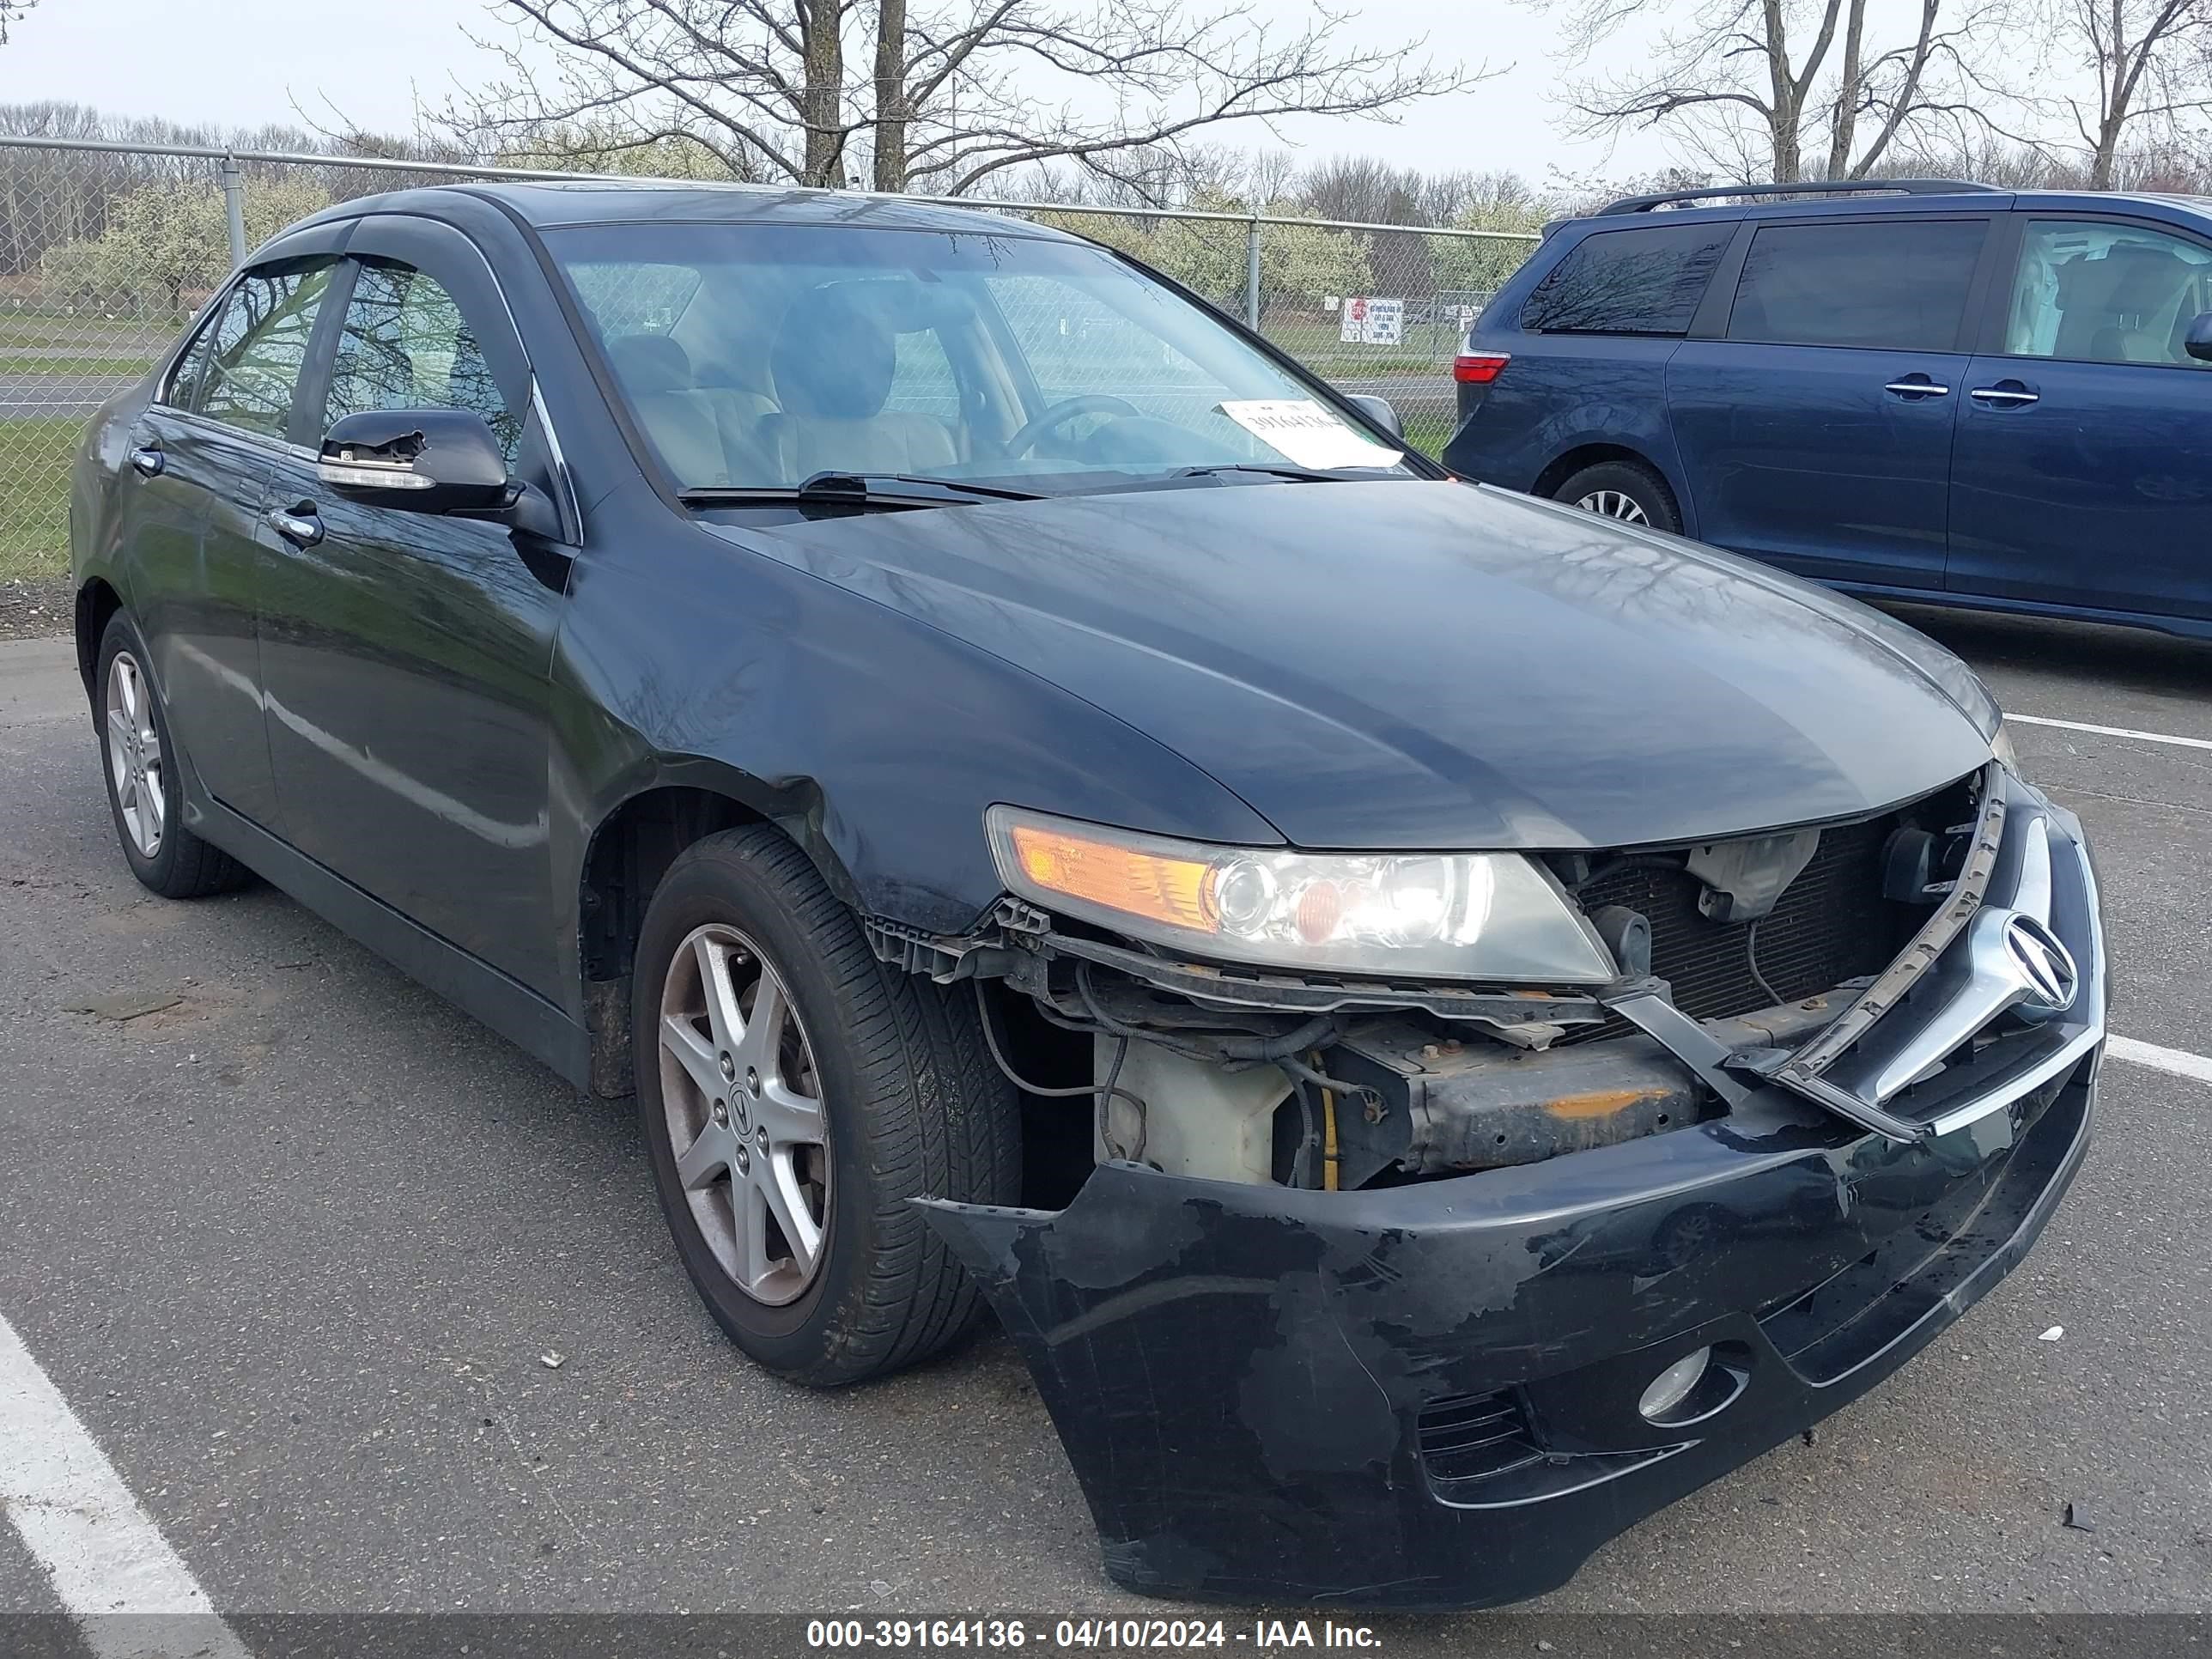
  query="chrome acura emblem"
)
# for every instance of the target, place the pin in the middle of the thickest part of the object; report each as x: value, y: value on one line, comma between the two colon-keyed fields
x: 2043, y: 967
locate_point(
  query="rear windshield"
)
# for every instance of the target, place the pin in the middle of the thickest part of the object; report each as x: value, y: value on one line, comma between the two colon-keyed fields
x: 1644, y: 280
x: 761, y: 355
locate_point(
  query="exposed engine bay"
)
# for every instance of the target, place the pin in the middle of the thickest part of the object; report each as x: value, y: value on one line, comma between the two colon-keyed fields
x: 1750, y: 946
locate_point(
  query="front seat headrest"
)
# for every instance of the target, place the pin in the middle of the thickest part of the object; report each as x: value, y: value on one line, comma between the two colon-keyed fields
x: 834, y: 357
x: 647, y: 363
x: 739, y: 372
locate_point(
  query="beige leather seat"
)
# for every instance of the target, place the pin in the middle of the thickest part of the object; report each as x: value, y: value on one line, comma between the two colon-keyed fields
x: 703, y: 434
x: 2120, y: 308
x: 832, y: 363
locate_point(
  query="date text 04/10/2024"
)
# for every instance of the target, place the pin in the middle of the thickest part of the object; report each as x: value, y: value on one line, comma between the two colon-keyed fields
x: 1261, y: 1636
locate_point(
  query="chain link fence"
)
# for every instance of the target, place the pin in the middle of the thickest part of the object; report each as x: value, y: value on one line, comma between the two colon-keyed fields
x: 106, y: 250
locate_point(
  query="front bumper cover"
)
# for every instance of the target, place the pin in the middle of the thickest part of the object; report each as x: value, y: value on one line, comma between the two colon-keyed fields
x: 1427, y: 1396
x: 1244, y: 1377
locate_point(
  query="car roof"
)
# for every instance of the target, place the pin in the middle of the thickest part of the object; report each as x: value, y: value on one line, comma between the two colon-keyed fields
x: 2191, y: 209
x: 545, y: 204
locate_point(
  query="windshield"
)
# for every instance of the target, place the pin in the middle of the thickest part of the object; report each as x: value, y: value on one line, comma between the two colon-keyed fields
x: 757, y: 356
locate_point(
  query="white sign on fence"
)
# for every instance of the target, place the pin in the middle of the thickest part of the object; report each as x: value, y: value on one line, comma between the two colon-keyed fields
x: 1368, y: 321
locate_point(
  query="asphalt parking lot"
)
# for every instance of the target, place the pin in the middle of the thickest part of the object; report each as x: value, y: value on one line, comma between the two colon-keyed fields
x: 294, y: 1240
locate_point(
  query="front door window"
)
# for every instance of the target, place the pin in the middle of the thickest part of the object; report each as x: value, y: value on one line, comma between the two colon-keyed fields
x: 405, y: 345
x: 2100, y: 293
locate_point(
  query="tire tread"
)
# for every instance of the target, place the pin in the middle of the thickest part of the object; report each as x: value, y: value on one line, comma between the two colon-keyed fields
x: 1664, y: 512
x: 940, y: 1121
x: 187, y: 867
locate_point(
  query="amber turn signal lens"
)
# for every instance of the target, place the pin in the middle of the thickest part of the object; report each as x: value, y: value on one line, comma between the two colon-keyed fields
x: 1454, y: 916
x: 1136, y: 883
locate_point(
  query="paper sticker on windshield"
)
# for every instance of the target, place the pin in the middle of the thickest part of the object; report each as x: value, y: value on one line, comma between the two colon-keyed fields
x: 1306, y: 433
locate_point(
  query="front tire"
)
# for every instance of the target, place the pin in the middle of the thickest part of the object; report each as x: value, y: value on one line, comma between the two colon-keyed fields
x: 795, y: 1094
x: 1625, y: 490
x: 144, y: 794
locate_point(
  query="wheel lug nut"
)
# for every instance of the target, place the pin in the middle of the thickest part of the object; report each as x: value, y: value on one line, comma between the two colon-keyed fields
x: 729, y: 1067
x: 760, y: 1139
x: 752, y: 1081
x: 721, y: 1111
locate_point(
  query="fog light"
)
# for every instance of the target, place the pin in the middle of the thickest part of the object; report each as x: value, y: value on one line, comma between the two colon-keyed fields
x: 1672, y: 1386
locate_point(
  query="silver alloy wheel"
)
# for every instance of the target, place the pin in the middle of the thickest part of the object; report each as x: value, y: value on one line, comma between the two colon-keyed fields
x: 134, y: 755
x: 1612, y: 504
x: 745, y: 1120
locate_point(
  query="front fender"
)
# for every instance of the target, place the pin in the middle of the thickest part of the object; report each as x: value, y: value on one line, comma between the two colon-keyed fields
x: 877, y: 740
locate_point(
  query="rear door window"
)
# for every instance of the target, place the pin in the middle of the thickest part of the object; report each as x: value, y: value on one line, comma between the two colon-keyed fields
x: 1897, y: 286
x: 922, y: 377
x: 183, y: 389
x: 261, y: 347
x: 1647, y: 280
x: 640, y: 298
x: 1072, y: 342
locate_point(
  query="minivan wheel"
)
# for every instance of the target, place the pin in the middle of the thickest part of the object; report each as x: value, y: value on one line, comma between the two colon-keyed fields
x: 795, y: 1094
x: 1622, y: 491
x: 143, y: 792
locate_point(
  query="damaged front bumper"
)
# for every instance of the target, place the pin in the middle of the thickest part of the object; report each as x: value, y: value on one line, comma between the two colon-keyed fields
x: 1435, y: 1395
x: 1427, y: 1397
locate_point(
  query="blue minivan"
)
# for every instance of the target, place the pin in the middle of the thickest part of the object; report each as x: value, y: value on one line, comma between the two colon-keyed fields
x: 1920, y: 388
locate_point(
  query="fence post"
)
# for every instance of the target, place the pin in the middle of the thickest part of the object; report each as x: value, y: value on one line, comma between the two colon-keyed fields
x: 233, y: 207
x: 1252, y: 273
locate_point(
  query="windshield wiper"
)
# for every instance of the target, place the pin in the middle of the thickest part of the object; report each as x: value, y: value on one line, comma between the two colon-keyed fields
x: 838, y: 485
x: 1296, y: 474
x: 862, y: 489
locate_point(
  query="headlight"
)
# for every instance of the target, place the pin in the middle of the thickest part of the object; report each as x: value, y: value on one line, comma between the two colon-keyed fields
x: 1457, y: 915
x: 2000, y: 749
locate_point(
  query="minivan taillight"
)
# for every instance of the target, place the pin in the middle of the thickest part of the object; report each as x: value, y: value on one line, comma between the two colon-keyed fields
x: 1479, y: 368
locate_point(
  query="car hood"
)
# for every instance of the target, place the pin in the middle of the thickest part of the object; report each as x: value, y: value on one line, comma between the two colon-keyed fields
x: 1420, y: 665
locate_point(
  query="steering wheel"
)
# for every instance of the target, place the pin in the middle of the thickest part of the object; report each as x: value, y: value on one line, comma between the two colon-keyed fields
x: 1089, y: 402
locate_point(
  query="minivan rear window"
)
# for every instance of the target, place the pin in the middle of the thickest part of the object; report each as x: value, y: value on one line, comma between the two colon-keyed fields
x: 1898, y: 286
x: 1645, y: 281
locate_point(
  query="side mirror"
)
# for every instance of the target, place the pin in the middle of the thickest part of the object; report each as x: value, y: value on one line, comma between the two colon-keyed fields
x: 422, y: 460
x: 1377, y: 409
x: 2197, y: 343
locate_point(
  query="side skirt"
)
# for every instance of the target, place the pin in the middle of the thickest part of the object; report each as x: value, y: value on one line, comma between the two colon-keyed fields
x: 510, y: 1008
x: 1952, y: 598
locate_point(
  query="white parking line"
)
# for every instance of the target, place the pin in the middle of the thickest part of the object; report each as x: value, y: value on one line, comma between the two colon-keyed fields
x: 2112, y: 731
x: 2179, y: 1062
x: 123, y: 1585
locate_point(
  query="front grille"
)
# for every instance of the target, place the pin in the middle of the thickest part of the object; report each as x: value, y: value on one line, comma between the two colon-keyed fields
x: 1475, y: 1436
x: 1831, y: 924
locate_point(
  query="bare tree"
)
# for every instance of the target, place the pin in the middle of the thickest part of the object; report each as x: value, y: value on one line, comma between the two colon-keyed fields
x: 2172, y: 165
x: 2150, y: 57
x: 1268, y: 175
x: 10, y: 11
x: 1785, y: 89
x: 940, y: 96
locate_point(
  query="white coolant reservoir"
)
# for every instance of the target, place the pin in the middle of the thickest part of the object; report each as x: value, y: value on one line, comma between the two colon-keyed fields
x: 1199, y: 1120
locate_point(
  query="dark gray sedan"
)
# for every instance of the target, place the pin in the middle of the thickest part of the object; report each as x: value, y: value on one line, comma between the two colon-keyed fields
x: 1439, y: 1022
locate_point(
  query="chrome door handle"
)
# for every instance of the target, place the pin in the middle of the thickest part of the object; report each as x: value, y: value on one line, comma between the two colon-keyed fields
x: 301, y: 529
x: 1923, y: 388
x: 148, y: 461
x: 1997, y: 394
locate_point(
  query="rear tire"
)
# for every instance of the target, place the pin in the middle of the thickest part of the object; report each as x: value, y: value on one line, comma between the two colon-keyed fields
x: 145, y: 795
x: 863, y: 1088
x: 1624, y: 490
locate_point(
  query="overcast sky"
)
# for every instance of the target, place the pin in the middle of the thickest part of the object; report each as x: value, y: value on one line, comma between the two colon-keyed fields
x: 186, y: 62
